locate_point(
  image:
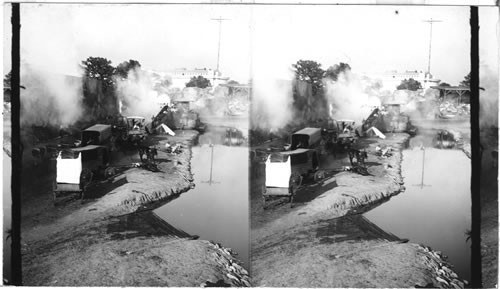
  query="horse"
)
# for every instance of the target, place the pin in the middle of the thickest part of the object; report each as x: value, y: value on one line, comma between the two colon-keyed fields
x: 360, y: 156
x: 149, y: 151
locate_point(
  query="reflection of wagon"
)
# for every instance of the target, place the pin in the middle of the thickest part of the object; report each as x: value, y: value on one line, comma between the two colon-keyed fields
x: 444, y: 140
x: 285, y: 172
x: 233, y: 137
x: 77, y: 167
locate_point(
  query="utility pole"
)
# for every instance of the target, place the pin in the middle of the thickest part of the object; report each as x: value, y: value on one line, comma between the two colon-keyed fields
x: 422, y: 185
x: 16, y: 265
x: 211, y: 181
x: 476, y: 263
x: 430, y: 21
x: 220, y: 19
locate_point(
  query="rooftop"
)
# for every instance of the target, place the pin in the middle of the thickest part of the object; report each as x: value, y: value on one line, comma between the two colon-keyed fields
x: 452, y: 88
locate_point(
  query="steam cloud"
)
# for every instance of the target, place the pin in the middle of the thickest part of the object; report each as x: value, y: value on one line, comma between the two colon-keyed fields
x: 271, y: 103
x: 488, y: 104
x: 350, y: 97
x: 50, y: 99
x: 137, y: 94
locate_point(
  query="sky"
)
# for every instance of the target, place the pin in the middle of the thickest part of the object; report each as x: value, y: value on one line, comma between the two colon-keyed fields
x: 257, y: 39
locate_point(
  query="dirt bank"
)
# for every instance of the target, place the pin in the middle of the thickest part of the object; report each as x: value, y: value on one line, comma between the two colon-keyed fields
x: 309, y: 246
x: 489, y: 209
x: 113, y: 239
x: 338, y: 192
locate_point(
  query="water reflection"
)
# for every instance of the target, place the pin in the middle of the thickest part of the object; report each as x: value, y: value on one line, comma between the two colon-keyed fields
x: 228, y: 136
x: 437, y: 213
x: 217, y: 208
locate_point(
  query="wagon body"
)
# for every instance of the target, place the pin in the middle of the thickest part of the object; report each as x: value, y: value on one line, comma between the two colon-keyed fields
x: 307, y: 138
x: 97, y: 134
x: 76, y: 167
x: 136, y: 128
x: 68, y: 173
x: 285, y: 172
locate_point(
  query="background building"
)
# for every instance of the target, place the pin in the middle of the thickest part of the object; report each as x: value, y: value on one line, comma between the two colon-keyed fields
x: 391, y: 79
x: 181, y: 76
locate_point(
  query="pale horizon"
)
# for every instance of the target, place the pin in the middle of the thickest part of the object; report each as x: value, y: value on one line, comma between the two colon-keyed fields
x: 257, y: 41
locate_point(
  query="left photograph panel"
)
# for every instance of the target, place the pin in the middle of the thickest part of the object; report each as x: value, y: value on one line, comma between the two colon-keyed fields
x: 134, y: 145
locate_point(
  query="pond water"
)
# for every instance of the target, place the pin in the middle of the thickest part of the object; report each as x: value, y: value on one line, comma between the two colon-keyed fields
x: 217, y: 208
x: 436, y: 214
x: 7, y: 213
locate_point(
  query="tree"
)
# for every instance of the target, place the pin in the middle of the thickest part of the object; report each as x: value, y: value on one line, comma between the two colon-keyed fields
x: 410, y: 84
x: 99, y: 68
x: 6, y: 87
x: 125, y: 67
x: 310, y: 71
x: 199, y: 81
x: 444, y: 84
x: 466, y: 81
x: 6, y: 80
x: 333, y: 71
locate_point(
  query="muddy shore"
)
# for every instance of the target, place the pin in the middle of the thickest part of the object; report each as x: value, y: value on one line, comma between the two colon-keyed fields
x: 310, y: 246
x: 114, y: 239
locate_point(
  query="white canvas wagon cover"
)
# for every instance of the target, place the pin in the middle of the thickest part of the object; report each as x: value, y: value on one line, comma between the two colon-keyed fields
x: 69, y: 169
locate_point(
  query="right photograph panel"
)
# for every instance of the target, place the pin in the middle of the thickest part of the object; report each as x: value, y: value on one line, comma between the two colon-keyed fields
x: 360, y: 172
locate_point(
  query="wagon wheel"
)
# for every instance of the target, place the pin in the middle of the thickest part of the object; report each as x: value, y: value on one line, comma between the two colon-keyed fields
x: 124, y: 136
x: 295, y: 182
x: 109, y: 172
x: 316, y: 176
x: 263, y: 197
x: 291, y: 191
x: 54, y: 193
x: 85, y: 179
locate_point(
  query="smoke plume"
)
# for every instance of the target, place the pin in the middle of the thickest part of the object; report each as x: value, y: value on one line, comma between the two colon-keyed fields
x: 50, y: 99
x: 488, y: 98
x: 350, y: 97
x: 137, y: 95
x: 271, y: 103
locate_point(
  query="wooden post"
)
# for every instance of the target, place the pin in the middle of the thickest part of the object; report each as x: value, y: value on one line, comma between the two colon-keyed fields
x: 476, y: 270
x: 16, y: 148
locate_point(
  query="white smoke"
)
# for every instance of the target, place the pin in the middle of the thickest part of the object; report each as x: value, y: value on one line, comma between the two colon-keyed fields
x: 49, y: 98
x: 488, y: 98
x: 137, y: 95
x: 272, y: 100
x: 349, y: 97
